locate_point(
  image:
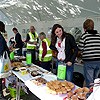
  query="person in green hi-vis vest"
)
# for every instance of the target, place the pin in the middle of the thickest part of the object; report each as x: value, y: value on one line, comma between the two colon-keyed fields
x: 32, y: 39
x: 45, y: 53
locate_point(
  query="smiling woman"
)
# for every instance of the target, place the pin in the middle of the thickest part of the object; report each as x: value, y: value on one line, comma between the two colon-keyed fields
x: 64, y: 44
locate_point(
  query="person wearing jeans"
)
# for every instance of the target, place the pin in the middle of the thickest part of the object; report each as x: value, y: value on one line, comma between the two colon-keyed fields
x: 89, y: 45
x: 65, y: 46
x: 91, y: 70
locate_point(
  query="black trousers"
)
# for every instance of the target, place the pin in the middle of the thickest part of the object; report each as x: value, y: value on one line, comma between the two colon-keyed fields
x: 46, y: 65
x: 19, y: 52
x: 32, y: 51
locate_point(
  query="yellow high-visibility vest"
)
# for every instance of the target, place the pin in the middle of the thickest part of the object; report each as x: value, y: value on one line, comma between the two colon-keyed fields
x: 32, y: 39
x: 48, y: 56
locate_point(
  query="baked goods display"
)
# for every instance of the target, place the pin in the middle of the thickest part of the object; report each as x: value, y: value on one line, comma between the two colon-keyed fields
x: 78, y: 94
x: 22, y: 58
x: 39, y: 81
x: 58, y: 87
x: 33, y: 68
x: 15, y: 69
x: 17, y: 64
x: 35, y: 73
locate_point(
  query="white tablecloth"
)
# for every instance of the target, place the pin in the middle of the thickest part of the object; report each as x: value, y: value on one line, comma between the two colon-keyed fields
x: 39, y: 91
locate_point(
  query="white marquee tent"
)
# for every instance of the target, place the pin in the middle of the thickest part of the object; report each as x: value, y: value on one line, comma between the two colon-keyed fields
x: 44, y: 13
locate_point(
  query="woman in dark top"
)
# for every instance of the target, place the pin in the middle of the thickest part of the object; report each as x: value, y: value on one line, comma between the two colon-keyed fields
x: 64, y: 44
x: 3, y: 47
x: 18, y: 40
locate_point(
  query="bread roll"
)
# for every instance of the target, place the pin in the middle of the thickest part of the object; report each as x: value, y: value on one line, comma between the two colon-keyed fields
x: 74, y: 97
x: 70, y: 94
x: 79, y: 90
x: 85, y: 89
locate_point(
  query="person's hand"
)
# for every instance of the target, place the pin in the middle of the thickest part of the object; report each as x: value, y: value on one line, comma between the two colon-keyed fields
x: 35, y: 42
x: 69, y: 63
x: 10, y: 47
x: 54, y: 53
x: 61, y: 59
x: 15, y: 44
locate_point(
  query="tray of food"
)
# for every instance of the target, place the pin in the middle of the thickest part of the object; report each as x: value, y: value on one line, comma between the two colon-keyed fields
x: 15, y: 69
x: 22, y: 57
x: 33, y: 68
x: 19, y: 58
x: 78, y: 94
x: 17, y: 64
x: 35, y: 73
x: 39, y: 81
x: 59, y: 87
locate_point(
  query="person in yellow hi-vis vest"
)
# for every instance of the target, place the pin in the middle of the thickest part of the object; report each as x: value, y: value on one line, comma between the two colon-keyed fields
x: 45, y: 53
x: 32, y: 39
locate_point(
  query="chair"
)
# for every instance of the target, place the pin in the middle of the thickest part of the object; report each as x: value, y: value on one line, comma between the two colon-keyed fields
x: 78, y: 79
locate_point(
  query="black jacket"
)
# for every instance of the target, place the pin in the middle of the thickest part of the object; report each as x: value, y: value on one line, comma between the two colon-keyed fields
x: 71, y: 48
x: 18, y: 41
x: 3, y: 45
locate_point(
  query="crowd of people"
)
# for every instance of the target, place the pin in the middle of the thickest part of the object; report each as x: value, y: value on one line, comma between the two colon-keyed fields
x: 65, y: 48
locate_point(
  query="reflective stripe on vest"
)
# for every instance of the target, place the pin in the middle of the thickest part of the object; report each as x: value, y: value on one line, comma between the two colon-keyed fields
x: 32, y: 39
x: 48, y: 56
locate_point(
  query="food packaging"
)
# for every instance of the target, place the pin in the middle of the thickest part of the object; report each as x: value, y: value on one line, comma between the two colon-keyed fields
x: 23, y: 70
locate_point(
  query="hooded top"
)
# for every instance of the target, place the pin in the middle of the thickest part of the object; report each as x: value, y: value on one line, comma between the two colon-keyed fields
x: 89, y: 45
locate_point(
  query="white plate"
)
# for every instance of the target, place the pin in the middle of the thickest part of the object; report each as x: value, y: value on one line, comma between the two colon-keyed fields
x: 49, y: 77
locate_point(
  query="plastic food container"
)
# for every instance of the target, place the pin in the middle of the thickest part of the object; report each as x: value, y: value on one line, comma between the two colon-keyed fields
x: 23, y: 70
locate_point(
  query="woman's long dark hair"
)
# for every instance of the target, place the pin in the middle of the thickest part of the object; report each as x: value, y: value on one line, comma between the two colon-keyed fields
x: 53, y: 35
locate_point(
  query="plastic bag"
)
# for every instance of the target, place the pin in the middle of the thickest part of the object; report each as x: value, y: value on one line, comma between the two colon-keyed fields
x: 4, y: 63
x: 61, y: 72
x: 1, y: 64
x: 12, y: 55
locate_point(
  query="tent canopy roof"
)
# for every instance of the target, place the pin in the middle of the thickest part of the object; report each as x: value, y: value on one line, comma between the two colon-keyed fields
x: 27, y: 11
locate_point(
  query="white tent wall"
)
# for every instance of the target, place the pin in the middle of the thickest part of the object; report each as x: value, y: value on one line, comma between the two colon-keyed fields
x: 44, y: 13
x: 44, y: 26
x: 9, y: 32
